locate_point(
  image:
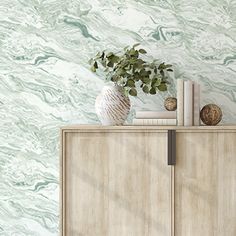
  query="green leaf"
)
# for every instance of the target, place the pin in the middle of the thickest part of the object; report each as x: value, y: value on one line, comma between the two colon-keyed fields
x: 136, y: 55
x: 130, y: 83
x: 156, y: 82
x: 145, y: 89
x: 142, y: 51
x: 103, y: 55
x: 109, y: 54
x: 162, y: 73
x: 114, y: 78
x: 93, y: 69
x: 136, y: 66
x: 168, y: 66
x: 146, y: 80
x: 103, y: 62
x: 136, y: 45
x: 132, y: 61
x: 110, y: 64
x: 162, y: 87
x: 120, y: 72
x: 152, y: 91
x: 140, y: 61
x: 136, y: 76
x: 114, y: 58
x: 95, y: 64
x: 161, y: 66
x: 129, y: 75
x: 133, y: 92
x: 126, y: 92
x: 132, y: 52
x: 143, y: 72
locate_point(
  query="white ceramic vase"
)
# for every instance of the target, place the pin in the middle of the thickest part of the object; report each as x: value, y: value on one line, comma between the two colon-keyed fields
x: 112, y: 105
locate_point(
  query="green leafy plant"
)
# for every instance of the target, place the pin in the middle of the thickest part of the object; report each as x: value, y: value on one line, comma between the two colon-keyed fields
x: 129, y: 70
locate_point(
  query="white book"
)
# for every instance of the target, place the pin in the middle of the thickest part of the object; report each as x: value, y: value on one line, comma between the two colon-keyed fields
x: 180, y: 102
x: 156, y: 115
x: 196, y: 104
x: 188, y: 103
x: 154, y: 122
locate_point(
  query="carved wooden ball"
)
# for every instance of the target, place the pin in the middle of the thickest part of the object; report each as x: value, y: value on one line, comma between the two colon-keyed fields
x: 170, y: 104
x: 211, y: 114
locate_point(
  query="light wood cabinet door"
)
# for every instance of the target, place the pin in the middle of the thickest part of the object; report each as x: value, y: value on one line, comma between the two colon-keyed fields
x: 116, y: 183
x: 205, y: 184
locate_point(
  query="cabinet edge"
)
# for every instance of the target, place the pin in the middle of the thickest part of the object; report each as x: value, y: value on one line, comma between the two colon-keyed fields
x: 62, y: 183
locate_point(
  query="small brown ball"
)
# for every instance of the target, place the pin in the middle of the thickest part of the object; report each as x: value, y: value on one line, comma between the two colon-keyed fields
x: 170, y: 104
x: 211, y: 114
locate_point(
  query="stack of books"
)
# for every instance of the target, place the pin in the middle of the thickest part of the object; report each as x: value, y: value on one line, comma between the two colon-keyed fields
x: 188, y: 103
x: 155, y: 118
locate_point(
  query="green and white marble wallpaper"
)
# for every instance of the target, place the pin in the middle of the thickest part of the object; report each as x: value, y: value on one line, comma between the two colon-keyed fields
x: 45, y: 81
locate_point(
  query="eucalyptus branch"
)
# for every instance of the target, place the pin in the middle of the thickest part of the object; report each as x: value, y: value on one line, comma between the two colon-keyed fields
x: 128, y: 70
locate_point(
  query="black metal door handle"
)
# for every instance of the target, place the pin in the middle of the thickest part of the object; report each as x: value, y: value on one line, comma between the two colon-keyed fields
x: 171, y: 147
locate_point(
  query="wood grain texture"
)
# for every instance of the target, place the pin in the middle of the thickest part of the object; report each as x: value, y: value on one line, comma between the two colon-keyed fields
x: 116, y: 184
x: 155, y: 128
x: 205, y: 184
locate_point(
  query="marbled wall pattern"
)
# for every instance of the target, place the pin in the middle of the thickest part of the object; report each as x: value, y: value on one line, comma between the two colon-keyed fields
x: 45, y: 81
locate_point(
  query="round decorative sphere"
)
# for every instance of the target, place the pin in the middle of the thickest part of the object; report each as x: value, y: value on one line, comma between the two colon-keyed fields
x: 170, y: 104
x: 211, y: 114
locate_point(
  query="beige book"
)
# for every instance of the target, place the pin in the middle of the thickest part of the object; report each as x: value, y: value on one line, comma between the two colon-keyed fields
x: 188, y: 103
x: 196, y: 104
x: 155, y: 115
x: 154, y: 121
x: 180, y: 102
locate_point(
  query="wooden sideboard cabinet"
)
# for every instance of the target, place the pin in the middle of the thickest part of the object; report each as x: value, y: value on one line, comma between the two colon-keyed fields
x: 148, y: 181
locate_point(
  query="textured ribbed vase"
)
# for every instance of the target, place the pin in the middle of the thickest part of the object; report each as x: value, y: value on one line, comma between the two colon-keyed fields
x: 112, y: 106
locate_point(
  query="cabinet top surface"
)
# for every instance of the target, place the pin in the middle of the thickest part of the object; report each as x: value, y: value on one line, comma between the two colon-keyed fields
x: 136, y: 127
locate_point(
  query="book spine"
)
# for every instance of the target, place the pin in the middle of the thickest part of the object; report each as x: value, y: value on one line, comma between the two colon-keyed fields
x: 180, y: 102
x: 155, y: 115
x: 196, y: 104
x: 137, y: 121
x: 154, y: 121
x: 168, y: 122
x: 188, y: 103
